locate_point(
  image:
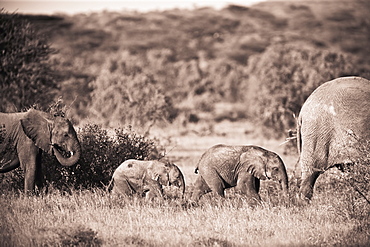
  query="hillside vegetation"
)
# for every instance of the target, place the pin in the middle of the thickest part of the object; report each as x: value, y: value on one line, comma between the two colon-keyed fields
x: 257, y: 63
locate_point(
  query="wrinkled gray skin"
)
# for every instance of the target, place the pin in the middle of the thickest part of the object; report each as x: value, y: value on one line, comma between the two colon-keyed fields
x: 23, y: 136
x: 242, y: 167
x: 140, y: 177
x: 333, y: 128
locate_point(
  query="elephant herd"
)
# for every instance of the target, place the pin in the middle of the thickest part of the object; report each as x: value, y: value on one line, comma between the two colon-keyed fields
x: 333, y: 129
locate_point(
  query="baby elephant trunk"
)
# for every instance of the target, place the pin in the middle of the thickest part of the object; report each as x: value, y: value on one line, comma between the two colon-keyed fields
x: 277, y: 172
x: 177, y: 179
x: 180, y: 183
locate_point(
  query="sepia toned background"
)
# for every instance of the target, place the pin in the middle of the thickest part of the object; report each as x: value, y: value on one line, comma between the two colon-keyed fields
x: 185, y: 75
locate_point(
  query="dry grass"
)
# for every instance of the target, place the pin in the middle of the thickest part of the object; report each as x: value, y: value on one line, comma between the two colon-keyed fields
x: 336, y: 216
x: 97, y: 218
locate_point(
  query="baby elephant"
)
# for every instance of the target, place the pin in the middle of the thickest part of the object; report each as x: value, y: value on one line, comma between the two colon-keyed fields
x: 140, y: 177
x: 242, y: 167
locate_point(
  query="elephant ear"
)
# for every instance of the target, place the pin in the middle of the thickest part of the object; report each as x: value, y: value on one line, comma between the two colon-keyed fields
x: 254, y: 165
x: 38, y: 128
x: 151, y: 171
x: 168, y: 166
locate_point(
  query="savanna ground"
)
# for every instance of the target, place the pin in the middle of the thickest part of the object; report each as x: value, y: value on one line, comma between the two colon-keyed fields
x: 337, y: 215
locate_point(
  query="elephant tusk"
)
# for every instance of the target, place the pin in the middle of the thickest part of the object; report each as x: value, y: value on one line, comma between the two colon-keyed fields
x: 71, y: 153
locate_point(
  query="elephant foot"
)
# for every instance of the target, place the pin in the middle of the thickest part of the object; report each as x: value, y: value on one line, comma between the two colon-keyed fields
x: 300, y: 200
x: 306, y: 194
x: 254, y: 202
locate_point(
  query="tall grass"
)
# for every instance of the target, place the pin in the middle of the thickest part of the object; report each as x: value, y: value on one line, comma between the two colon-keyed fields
x: 95, y: 218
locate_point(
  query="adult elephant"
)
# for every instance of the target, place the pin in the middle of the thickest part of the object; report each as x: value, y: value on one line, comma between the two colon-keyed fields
x: 146, y: 177
x: 333, y: 128
x: 242, y: 167
x: 23, y: 136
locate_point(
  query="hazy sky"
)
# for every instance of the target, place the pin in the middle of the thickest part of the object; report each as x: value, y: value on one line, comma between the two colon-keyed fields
x: 78, y: 6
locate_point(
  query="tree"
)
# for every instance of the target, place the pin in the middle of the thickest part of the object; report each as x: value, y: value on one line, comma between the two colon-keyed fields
x: 26, y: 78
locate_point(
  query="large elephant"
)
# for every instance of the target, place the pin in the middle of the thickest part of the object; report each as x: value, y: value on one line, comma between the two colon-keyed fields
x: 146, y: 177
x: 242, y: 167
x: 23, y: 136
x: 333, y: 128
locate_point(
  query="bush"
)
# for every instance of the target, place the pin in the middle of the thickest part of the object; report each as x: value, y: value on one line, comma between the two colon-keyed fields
x: 102, y: 153
x: 358, y: 175
x: 125, y: 95
x: 285, y: 76
x: 24, y: 71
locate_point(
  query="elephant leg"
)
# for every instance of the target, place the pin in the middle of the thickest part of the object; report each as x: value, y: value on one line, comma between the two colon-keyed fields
x: 123, y: 187
x: 215, y: 182
x: 307, y: 184
x: 28, y: 160
x: 257, y: 184
x: 309, y: 160
x: 155, y: 188
x: 151, y: 194
x: 39, y: 176
x: 249, y: 186
x: 200, y: 188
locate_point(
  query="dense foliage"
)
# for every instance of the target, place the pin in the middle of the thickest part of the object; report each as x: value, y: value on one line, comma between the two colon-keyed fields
x: 25, y: 73
x: 124, y: 94
x: 288, y: 74
x: 102, y: 153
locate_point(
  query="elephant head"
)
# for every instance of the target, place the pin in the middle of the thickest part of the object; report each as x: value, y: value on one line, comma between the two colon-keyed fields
x: 53, y: 134
x: 264, y: 164
x: 175, y: 177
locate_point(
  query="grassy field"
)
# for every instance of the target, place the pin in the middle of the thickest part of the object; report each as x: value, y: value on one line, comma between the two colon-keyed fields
x: 337, y: 215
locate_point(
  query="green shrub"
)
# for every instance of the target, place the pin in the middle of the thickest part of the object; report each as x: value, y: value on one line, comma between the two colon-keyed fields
x: 102, y: 153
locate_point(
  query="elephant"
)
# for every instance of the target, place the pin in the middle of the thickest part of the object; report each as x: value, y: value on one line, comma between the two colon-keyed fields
x: 146, y: 177
x: 241, y: 166
x: 23, y: 137
x: 333, y: 129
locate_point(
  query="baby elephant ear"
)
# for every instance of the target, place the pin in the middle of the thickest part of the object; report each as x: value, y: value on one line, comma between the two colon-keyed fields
x: 38, y: 129
x: 254, y: 165
x: 168, y: 166
x: 151, y: 172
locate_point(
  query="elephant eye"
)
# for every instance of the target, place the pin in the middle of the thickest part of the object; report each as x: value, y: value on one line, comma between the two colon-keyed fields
x: 65, y: 134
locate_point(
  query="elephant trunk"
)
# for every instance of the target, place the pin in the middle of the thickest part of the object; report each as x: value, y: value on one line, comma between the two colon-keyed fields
x: 285, y: 185
x: 180, y: 183
x: 182, y: 186
x: 279, y: 174
x: 283, y: 180
x: 71, y: 157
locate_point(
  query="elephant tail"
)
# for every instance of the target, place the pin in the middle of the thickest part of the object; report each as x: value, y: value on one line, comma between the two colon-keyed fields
x: 299, y: 143
x: 299, y: 136
x: 110, y: 185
